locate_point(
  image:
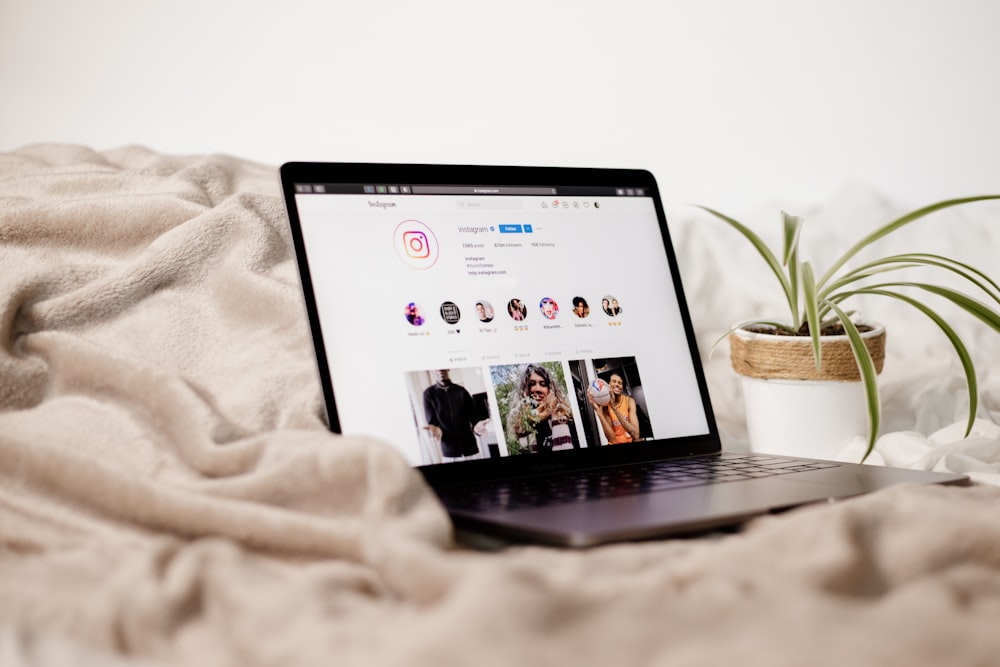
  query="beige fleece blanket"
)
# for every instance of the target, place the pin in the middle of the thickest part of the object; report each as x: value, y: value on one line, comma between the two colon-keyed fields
x: 169, y: 496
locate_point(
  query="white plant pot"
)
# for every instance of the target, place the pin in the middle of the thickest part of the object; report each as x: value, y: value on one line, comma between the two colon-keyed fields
x: 809, y: 418
x: 792, y: 408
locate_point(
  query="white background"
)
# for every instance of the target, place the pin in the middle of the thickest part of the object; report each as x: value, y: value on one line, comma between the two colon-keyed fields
x: 732, y: 103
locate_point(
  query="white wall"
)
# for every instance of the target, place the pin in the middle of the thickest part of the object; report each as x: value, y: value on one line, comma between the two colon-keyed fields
x: 731, y: 103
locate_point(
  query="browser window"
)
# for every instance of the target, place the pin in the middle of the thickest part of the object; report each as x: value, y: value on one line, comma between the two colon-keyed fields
x: 466, y: 323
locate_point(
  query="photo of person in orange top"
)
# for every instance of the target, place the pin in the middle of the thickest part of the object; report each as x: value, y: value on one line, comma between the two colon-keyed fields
x: 611, y: 400
x: 620, y: 417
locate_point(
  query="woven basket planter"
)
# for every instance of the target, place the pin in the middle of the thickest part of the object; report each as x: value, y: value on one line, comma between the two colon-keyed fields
x: 792, y: 407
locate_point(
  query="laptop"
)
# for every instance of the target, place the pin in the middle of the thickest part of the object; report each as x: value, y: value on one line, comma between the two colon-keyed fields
x: 520, y: 335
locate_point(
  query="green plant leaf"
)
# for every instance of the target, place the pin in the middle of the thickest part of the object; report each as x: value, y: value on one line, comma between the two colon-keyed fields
x: 970, y: 273
x: 963, y: 354
x: 812, y: 311
x: 914, y: 260
x: 861, y: 273
x: 792, y: 226
x: 869, y: 376
x: 893, y: 226
x: 977, y: 309
x: 965, y: 270
x: 765, y: 253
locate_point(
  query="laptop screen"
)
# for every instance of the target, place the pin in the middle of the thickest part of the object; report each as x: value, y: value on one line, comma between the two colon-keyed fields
x: 467, y: 322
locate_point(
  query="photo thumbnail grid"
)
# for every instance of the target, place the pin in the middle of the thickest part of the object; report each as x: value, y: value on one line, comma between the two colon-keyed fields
x: 540, y: 407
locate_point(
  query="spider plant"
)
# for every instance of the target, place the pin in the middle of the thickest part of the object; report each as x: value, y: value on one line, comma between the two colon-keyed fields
x: 817, y: 301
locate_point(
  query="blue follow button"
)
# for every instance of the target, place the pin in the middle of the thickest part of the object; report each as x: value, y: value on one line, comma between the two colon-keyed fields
x: 515, y: 229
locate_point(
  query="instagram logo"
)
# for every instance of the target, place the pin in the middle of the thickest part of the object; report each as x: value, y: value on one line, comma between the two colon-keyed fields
x: 416, y: 244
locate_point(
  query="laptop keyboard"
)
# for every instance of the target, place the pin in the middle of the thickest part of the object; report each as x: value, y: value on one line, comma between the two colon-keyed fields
x: 632, y: 479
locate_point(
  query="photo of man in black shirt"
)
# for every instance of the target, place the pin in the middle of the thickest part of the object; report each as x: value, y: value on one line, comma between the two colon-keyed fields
x: 452, y: 417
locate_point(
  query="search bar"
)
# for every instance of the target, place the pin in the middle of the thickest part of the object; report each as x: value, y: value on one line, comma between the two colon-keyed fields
x: 490, y: 204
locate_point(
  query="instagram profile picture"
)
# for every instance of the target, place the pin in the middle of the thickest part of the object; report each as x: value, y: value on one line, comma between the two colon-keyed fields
x: 549, y: 308
x: 517, y: 310
x: 414, y: 314
x: 484, y: 311
x: 450, y: 312
x: 416, y: 244
x: 610, y: 306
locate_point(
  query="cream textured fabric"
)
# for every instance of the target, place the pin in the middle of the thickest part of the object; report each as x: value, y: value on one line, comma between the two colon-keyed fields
x: 169, y: 495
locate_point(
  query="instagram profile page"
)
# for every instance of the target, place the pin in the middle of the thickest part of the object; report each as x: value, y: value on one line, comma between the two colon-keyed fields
x: 460, y: 328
